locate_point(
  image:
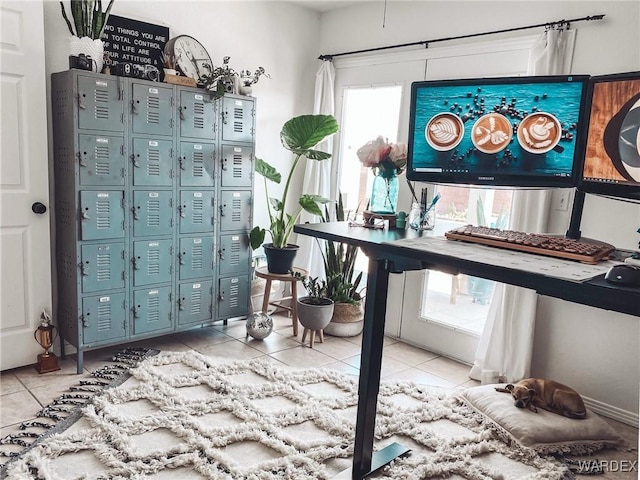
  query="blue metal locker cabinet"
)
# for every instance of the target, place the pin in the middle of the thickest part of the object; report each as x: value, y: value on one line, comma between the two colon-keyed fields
x: 152, y: 262
x: 233, y: 296
x: 152, y: 162
x: 152, y: 310
x: 195, y: 211
x: 237, y: 119
x: 152, y: 108
x: 235, y: 210
x: 101, y: 160
x: 152, y: 213
x: 236, y: 166
x: 103, y: 318
x: 101, y: 214
x: 196, y: 257
x: 102, y: 267
x: 234, y: 253
x: 195, y: 302
x: 99, y: 102
x: 196, y: 164
x: 197, y: 114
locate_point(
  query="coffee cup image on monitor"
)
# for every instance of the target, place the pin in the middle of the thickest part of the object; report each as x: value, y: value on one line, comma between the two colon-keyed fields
x: 539, y: 132
x: 491, y: 133
x: 629, y: 142
x: 444, y: 131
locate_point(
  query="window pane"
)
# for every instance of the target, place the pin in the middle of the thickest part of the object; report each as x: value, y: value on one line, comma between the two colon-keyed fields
x: 367, y: 113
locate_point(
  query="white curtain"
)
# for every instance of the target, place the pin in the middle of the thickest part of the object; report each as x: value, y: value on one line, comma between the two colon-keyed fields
x: 505, y: 347
x: 317, y: 175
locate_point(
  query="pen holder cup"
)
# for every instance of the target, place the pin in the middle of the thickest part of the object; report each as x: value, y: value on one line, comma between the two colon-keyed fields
x: 428, y: 220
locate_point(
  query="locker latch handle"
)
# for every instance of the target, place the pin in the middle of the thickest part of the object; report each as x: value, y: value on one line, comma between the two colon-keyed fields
x: 134, y: 312
x: 223, y: 164
x: 135, y: 162
x: 81, y: 160
x: 80, y: 102
x: 181, y: 163
x: 221, y: 297
x: 136, y: 215
x: 181, y: 304
x: 181, y: 112
x: 222, y: 207
x: 223, y: 114
x: 85, y: 324
x: 181, y: 258
x: 221, y: 253
x: 84, y: 270
x: 134, y: 109
x: 134, y: 263
x: 84, y: 215
x: 181, y: 210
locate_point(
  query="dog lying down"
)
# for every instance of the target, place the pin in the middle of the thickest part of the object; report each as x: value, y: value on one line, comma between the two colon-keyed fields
x: 548, y: 395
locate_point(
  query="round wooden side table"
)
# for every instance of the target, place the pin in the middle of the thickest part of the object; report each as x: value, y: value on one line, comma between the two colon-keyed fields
x: 262, y: 272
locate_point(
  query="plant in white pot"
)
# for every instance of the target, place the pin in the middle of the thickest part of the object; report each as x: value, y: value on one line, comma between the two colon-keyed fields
x: 314, y: 310
x: 88, y: 25
x: 299, y: 135
x: 342, y: 281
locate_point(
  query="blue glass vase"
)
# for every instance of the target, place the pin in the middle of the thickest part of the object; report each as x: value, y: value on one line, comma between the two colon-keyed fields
x: 384, y: 193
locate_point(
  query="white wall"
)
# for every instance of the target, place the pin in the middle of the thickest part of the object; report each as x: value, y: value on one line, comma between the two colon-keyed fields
x: 279, y: 36
x: 593, y: 350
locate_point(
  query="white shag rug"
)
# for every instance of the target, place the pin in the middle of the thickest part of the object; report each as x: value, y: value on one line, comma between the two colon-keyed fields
x: 185, y: 415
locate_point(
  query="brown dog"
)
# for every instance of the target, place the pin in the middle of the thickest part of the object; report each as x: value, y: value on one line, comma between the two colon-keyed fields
x: 548, y: 395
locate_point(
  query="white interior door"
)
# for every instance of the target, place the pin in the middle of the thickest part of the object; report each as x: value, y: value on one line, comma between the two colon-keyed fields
x: 25, y: 282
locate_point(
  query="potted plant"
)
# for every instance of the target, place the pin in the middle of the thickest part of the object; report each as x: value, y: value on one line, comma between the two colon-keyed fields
x: 248, y: 79
x: 89, y: 21
x: 298, y: 135
x: 219, y: 80
x: 342, y: 283
x: 314, y: 310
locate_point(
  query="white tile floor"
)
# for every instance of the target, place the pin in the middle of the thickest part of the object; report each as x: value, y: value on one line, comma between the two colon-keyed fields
x: 23, y: 392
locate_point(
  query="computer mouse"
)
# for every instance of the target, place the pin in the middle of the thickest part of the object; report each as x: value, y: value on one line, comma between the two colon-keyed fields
x: 623, y: 275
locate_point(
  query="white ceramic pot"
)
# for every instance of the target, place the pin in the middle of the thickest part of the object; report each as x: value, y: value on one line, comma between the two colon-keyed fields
x: 90, y: 47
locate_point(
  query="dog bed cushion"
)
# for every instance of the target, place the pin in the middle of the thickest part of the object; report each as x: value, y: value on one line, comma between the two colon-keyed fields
x: 544, y: 432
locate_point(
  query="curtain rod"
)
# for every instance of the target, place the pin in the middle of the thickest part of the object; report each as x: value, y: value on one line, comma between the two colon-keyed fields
x: 427, y: 42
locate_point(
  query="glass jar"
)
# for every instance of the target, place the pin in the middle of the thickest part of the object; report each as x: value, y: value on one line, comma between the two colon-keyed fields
x: 384, y: 194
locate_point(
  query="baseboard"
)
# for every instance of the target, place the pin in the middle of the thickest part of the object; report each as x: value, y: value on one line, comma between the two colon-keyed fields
x: 609, y: 411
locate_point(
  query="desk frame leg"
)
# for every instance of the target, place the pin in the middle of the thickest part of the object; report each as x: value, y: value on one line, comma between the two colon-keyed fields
x: 370, y: 364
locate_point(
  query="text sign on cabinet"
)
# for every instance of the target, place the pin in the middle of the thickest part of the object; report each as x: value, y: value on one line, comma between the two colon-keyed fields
x: 133, y: 41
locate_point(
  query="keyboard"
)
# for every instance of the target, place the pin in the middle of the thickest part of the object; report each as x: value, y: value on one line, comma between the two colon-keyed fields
x: 541, y: 244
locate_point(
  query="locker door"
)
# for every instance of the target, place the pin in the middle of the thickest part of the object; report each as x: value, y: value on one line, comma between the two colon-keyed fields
x: 151, y: 310
x: 233, y: 297
x: 152, y: 162
x: 152, y: 109
x: 196, y: 211
x: 196, y: 302
x: 152, y: 262
x: 237, y: 119
x: 103, y: 318
x: 101, y: 160
x: 235, y: 210
x: 234, y: 254
x: 197, y: 115
x: 102, y: 267
x: 152, y: 213
x: 101, y: 215
x: 100, y: 105
x: 195, y: 258
x: 196, y: 164
x: 236, y: 166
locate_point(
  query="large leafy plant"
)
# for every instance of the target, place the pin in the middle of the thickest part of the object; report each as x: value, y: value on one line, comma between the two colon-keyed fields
x: 88, y: 18
x: 298, y: 135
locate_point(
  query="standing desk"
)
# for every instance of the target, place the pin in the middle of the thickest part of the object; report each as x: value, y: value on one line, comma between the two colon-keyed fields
x: 386, y: 258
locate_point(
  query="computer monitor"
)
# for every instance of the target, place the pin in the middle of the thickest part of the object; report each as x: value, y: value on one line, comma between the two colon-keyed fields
x: 509, y: 131
x: 612, y: 153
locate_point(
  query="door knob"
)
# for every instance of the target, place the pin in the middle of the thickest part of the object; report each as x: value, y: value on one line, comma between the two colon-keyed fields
x: 38, y: 208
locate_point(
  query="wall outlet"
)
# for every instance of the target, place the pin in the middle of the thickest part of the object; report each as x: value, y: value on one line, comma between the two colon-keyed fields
x: 562, y: 200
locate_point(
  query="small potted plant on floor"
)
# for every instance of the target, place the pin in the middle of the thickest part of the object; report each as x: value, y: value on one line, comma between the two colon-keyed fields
x: 314, y: 310
x: 299, y: 135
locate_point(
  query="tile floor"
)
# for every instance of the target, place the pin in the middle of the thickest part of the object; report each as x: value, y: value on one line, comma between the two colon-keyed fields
x: 23, y: 392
